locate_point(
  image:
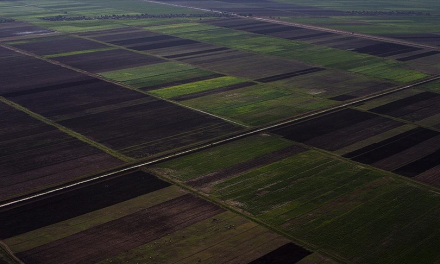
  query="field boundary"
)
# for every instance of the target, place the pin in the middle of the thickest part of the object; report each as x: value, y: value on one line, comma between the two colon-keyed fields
x: 10, y: 253
x: 67, y: 130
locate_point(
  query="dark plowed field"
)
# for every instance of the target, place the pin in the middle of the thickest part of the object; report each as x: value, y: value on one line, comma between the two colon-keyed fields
x: 20, y: 73
x: 386, y: 49
x: 124, y: 233
x: 59, y: 45
x: 310, y: 36
x: 413, y: 108
x: 108, y: 60
x: 167, y: 44
x: 75, y: 202
x: 34, y: 154
x: 134, y: 41
x: 213, y: 91
x: 391, y: 146
x: 421, y: 165
x: 15, y: 29
x: 246, y: 166
x: 288, y: 75
x: 425, y: 38
x: 337, y: 130
x: 418, y: 56
x: 343, y: 97
x: 123, y: 35
x: 195, y: 53
x: 287, y: 254
x: 125, y: 120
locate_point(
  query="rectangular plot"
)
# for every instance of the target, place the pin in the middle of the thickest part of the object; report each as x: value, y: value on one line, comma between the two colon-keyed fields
x: 413, y: 108
x: 289, y: 253
x: 213, y: 91
x: 418, y: 56
x: 385, y: 49
x: 195, y: 53
x: 21, y: 29
x: 60, y: 45
x: 387, y: 148
x: 274, y: 30
x: 421, y: 165
x: 182, y: 81
x: 288, y: 75
x: 38, y: 74
x: 75, y: 202
x: 124, y: 233
x: 173, y: 43
x: 315, y: 35
x: 109, y: 60
x: 409, y: 155
x: 312, y: 128
x: 122, y: 34
x: 128, y: 42
x: 34, y: 155
x: 51, y: 87
x: 246, y: 166
x: 349, y: 135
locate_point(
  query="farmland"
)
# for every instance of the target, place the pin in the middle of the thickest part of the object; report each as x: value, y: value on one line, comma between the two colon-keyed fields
x: 127, y: 208
x: 322, y: 200
x: 233, y: 132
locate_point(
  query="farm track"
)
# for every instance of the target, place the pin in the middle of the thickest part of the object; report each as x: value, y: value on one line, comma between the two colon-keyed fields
x: 323, y: 29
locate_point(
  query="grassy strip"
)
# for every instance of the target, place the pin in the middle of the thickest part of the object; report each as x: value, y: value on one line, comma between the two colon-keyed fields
x: 68, y: 131
x: 195, y: 87
x: 125, y: 75
x: 6, y: 256
x: 77, y: 52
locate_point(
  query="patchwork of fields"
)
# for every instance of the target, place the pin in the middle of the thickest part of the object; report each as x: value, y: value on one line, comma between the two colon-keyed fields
x: 99, y: 86
x: 142, y: 219
x: 327, y: 202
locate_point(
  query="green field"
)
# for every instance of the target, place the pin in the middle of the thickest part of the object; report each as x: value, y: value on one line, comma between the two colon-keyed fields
x: 133, y: 74
x: 335, y: 206
x: 317, y: 55
x: 259, y: 104
x: 195, y: 87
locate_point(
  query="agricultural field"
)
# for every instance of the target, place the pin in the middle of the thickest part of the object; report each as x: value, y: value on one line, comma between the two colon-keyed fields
x: 142, y: 219
x: 118, y: 118
x: 330, y: 204
x: 146, y: 132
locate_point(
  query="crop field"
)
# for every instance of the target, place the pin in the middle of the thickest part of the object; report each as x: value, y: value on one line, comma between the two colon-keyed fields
x: 331, y: 204
x: 336, y: 58
x: 125, y: 211
x: 135, y: 124
x: 36, y: 155
x: 387, y: 144
x: 267, y: 140
x: 107, y: 60
x: 15, y: 29
x: 258, y: 104
x: 56, y: 45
